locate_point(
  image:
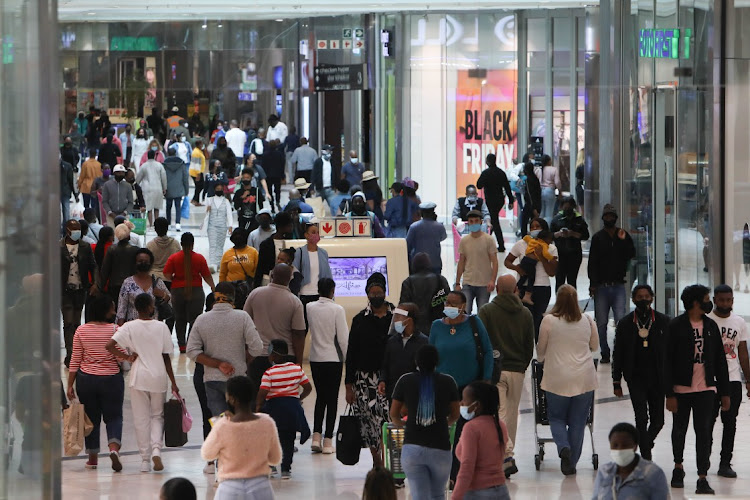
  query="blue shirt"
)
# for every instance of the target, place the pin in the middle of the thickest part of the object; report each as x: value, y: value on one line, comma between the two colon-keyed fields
x: 335, y: 202
x: 425, y: 236
x: 646, y: 482
x: 353, y: 173
x: 458, y: 351
x: 399, y: 215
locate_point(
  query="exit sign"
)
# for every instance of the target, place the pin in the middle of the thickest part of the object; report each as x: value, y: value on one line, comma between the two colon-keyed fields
x: 665, y: 43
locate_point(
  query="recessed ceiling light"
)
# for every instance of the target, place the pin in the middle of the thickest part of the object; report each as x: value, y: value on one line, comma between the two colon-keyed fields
x: 91, y: 13
x: 219, y: 25
x: 279, y: 20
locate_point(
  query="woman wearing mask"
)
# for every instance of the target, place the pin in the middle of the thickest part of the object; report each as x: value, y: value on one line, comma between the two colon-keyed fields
x: 481, y: 454
x: 152, y: 178
x: 566, y: 340
x: 95, y: 375
x: 550, y: 181
x: 141, y: 282
x: 225, y: 156
x: 154, y: 146
x: 218, y: 223
x: 197, y: 170
x: 312, y: 262
x: 187, y: 270
x: 140, y: 146
x: 430, y: 399
x: 364, y: 358
x: 240, y: 262
x: 213, y: 178
x: 628, y: 475
x: 248, y: 197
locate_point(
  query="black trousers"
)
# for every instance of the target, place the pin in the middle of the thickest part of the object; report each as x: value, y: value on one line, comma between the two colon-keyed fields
x: 495, y: 220
x: 728, y: 420
x: 567, y: 269
x: 198, y: 187
x: 287, y: 439
x: 200, y: 390
x: 701, y: 404
x: 327, y: 379
x: 170, y: 321
x: 71, y: 306
x: 274, y: 185
x: 306, y: 299
x: 304, y: 174
x: 256, y: 369
x: 648, y: 405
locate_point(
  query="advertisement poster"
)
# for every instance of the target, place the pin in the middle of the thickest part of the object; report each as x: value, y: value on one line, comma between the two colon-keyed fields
x: 486, y: 122
x: 351, y: 273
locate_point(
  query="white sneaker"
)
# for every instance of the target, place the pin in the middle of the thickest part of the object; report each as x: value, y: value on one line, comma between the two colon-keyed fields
x: 209, y: 468
x: 177, y: 227
x: 315, y: 446
x: 327, y: 446
x: 145, y: 466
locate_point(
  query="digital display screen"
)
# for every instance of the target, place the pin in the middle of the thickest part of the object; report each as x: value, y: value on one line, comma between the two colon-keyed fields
x: 278, y: 77
x: 351, y: 273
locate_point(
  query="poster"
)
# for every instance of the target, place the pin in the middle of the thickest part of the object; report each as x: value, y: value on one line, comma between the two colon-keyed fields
x: 351, y: 273
x: 486, y: 122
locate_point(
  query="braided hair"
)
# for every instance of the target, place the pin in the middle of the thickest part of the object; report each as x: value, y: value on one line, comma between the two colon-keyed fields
x: 489, y: 397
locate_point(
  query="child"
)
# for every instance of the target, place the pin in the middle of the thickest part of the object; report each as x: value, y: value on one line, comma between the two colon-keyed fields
x: 279, y: 397
x: 528, y: 262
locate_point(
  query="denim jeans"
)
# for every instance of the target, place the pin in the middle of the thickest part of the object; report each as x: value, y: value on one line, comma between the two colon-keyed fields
x: 475, y: 292
x: 499, y: 492
x: 215, y: 396
x: 256, y: 488
x: 102, y: 396
x: 567, y: 421
x: 548, y: 204
x: 178, y: 209
x: 65, y: 205
x: 427, y: 470
x: 606, y: 298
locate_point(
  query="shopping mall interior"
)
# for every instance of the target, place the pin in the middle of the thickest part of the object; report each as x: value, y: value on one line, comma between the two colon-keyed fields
x: 648, y: 97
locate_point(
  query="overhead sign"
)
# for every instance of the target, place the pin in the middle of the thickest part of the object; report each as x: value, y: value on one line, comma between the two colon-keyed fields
x: 132, y: 43
x: 334, y: 44
x: 362, y: 227
x: 342, y: 77
x: 327, y: 228
x: 322, y: 44
x: 346, y: 33
x: 344, y: 227
x: 247, y: 96
x: 664, y: 43
x: 359, y: 33
x: 347, y: 44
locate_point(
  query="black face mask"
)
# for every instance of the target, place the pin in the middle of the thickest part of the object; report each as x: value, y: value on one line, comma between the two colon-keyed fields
x: 265, y: 224
x: 246, y: 183
x: 642, y: 305
x: 143, y: 267
x: 219, y: 192
x: 568, y: 212
x: 377, y: 302
x: 119, y: 178
x: 68, y: 145
x: 707, y: 306
x: 723, y: 311
x: 610, y: 223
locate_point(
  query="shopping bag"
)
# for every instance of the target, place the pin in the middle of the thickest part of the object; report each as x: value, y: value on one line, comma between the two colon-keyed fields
x: 140, y: 225
x: 185, y: 208
x: 348, y: 438
x: 76, y: 210
x: 174, y: 435
x: 74, y: 428
x: 187, y: 420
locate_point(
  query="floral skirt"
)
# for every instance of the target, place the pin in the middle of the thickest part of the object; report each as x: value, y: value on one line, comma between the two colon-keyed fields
x: 371, y: 408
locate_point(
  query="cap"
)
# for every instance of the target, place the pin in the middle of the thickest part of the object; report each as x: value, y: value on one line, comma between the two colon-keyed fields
x: 175, y: 109
x: 119, y: 168
x: 368, y: 175
x: 326, y: 147
x: 609, y: 209
x: 408, y: 183
x: 474, y: 213
x: 360, y: 194
x: 428, y: 205
x: 301, y: 183
x: 265, y: 211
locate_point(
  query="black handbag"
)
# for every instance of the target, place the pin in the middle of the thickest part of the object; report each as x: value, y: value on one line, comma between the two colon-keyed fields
x: 174, y: 436
x: 162, y: 307
x: 497, y: 358
x: 348, y: 438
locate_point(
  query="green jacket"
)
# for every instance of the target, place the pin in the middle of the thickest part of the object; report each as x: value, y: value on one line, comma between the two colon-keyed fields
x: 511, y: 330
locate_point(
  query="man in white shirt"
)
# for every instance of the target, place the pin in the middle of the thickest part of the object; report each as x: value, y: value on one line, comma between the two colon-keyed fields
x: 264, y: 231
x: 150, y: 344
x: 276, y: 129
x: 236, y: 141
x: 734, y: 334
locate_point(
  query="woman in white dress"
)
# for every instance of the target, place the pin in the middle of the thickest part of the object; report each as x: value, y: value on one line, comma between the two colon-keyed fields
x: 152, y: 178
x: 218, y: 226
x: 140, y: 146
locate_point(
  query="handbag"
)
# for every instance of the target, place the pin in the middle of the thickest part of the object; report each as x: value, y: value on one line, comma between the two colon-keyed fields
x: 174, y: 425
x: 76, y: 426
x: 185, y: 208
x: 163, y: 308
x: 497, y: 357
x: 348, y: 438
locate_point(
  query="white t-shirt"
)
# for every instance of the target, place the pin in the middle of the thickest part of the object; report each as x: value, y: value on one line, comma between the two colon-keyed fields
x: 74, y: 276
x: 733, y: 331
x: 236, y: 139
x: 542, y: 278
x: 313, y: 272
x: 326, y: 173
x: 280, y: 131
x: 149, y: 339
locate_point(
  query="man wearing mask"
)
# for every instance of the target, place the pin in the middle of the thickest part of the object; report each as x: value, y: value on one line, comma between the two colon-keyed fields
x: 246, y: 201
x: 466, y: 204
x: 695, y: 375
x: 109, y: 151
x: 353, y: 170
x: 359, y: 209
x: 126, y: 139
x: 70, y: 153
x: 425, y: 236
x: 569, y: 230
x: 303, y: 159
x: 76, y: 265
x: 637, y: 355
x: 324, y: 175
x: 734, y: 336
x: 276, y: 129
x: 494, y: 181
x: 477, y: 264
x: 264, y: 230
x: 269, y: 249
x: 609, y: 255
x: 117, y: 196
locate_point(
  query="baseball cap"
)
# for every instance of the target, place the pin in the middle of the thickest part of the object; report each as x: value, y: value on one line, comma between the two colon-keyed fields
x: 609, y: 209
x: 175, y: 109
x: 119, y: 168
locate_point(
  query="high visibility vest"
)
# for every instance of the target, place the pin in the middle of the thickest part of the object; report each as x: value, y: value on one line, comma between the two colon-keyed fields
x: 173, y: 121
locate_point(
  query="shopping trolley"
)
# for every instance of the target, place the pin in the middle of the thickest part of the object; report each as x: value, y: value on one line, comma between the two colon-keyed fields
x: 540, y: 416
x: 393, y: 441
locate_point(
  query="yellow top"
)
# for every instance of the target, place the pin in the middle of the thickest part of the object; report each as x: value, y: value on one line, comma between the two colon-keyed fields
x: 534, y: 243
x: 233, y: 262
x: 197, y: 163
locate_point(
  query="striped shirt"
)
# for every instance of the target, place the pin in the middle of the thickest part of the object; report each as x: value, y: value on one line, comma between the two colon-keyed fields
x: 283, y: 381
x: 89, y: 352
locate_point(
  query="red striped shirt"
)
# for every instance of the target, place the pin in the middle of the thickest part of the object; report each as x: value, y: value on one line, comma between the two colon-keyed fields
x: 89, y: 352
x: 283, y: 381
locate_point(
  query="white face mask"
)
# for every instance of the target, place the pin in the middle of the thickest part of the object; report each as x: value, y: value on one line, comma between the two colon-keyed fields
x: 623, y: 458
x: 354, y: 160
x: 465, y: 413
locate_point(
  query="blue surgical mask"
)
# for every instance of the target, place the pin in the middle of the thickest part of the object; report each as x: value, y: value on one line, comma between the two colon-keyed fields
x: 465, y: 413
x: 472, y: 199
x: 399, y: 326
x: 451, y: 312
x: 154, y: 149
x: 75, y: 235
x: 474, y: 228
x: 535, y: 233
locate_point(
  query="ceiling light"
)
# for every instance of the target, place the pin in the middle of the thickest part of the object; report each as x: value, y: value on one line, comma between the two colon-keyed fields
x: 279, y: 20
x: 205, y: 24
x: 91, y: 13
x: 219, y: 25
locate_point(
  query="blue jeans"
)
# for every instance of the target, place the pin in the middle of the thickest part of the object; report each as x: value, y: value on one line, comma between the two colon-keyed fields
x: 427, y: 470
x: 494, y: 493
x: 567, y: 421
x: 540, y: 295
x: 102, y: 396
x: 65, y: 204
x: 256, y: 488
x: 215, y: 396
x: 397, y: 232
x: 479, y: 293
x: 548, y: 204
x: 606, y: 298
x: 178, y: 209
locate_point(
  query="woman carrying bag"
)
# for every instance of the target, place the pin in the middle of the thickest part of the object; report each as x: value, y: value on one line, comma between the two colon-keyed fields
x: 240, y: 262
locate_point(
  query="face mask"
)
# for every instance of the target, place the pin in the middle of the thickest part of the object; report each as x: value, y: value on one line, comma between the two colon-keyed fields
x: 219, y: 192
x: 326, y: 156
x: 451, y: 312
x: 535, y: 233
x: 68, y: 145
x: 265, y: 224
x: 610, y: 223
x: 623, y: 458
x: 143, y: 266
x: 399, y: 326
x: 219, y: 127
x: 119, y: 178
x: 154, y: 149
x: 377, y: 301
x: 182, y: 139
x: 723, y: 311
x: 568, y: 211
x: 465, y: 413
x: 246, y: 183
x: 313, y: 238
x: 642, y: 305
x: 355, y: 161
x: 707, y: 306
x: 106, y: 172
x: 475, y: 228
x: 472, y: 199
x: 75, y: 235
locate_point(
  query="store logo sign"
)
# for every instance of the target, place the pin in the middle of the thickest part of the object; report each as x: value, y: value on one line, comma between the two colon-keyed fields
x: 450, y: 31
x: 665, y: 43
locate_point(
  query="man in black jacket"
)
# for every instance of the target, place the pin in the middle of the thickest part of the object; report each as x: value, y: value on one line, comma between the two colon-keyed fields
x: 324, y: 174
x: 401, y: 348
x: 570, y: 230
x: 494, y: 182
x: 637, y: 356
x: 76, y: 262
x: 67, y: 187
x: 695, y: 371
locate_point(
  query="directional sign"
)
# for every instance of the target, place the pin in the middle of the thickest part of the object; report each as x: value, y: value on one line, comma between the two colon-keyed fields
x: 346, y: 33
x: 343, y: 77
x: 327, y: 228
x: 322, y: 44
x: 362, y: 226
x: 358, y: 44
x: 334, y: 44
x: 359, y: 33
x: 344, y: 227
x: 347, y: 44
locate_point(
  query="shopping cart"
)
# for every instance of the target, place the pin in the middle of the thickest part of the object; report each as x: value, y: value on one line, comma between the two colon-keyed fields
x: 540, y: 416
x: 393, y: 440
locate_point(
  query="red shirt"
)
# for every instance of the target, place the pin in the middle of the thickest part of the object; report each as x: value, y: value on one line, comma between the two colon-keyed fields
x: 283, y: 381
x: 89, y: 352
x: 176, y: 265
